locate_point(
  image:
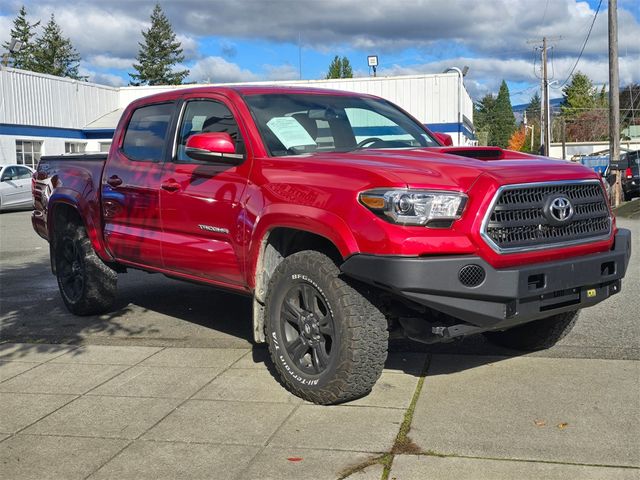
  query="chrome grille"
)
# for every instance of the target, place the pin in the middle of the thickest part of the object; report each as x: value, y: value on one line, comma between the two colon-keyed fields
x: 517, y: 219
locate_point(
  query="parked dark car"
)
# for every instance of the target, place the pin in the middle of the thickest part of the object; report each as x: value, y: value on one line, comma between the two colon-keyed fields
x: 631, y: 175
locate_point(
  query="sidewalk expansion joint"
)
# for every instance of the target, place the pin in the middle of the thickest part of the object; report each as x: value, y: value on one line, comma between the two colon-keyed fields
x: 403, y: 443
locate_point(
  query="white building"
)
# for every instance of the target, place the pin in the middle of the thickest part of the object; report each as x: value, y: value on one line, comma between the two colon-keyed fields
x: 46, y: 115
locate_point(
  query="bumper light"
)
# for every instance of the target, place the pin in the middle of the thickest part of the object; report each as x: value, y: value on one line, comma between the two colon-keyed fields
x: 414, y: 207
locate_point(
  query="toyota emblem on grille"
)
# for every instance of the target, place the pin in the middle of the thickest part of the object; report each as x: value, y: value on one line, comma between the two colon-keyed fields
x: 559, y: 209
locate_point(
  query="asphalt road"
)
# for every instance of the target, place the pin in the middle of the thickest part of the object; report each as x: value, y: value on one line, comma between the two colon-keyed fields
x: 156, y: 311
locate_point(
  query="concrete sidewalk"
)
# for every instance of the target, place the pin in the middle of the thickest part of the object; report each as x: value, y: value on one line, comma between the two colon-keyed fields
x: 153, y: 412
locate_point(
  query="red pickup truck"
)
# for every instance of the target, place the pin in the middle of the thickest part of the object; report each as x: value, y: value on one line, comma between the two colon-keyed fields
x: 343, y: 217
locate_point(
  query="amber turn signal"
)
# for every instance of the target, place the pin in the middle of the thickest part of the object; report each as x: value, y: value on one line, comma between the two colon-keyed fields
x: 373, y: 201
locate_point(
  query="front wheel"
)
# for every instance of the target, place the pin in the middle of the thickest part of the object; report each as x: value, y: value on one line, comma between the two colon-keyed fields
x: 328, y: 341
x: 536, y: 335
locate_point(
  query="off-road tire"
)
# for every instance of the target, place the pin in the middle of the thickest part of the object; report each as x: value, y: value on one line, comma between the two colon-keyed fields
x: 536, y: 335
x: 360, y: 342
x: 94, y: 285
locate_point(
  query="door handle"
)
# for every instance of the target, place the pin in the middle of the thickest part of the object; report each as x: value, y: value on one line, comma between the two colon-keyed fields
x: 114, y: 181
x: 171, y: 186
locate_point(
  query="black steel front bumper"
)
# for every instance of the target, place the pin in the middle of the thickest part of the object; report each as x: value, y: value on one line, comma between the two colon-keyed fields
x: 506, y: 297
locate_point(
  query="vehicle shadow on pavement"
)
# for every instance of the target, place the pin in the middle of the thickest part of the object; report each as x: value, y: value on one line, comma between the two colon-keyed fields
x: 156, y: 311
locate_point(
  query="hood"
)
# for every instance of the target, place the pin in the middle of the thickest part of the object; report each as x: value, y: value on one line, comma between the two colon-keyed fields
x: 458, y: 167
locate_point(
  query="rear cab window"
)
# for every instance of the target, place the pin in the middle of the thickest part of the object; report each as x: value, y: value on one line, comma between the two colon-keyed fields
x: 146, y: 134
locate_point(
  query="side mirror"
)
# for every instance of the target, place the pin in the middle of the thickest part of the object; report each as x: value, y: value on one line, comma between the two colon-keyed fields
x: 444, y: 138
x: 213, y: 147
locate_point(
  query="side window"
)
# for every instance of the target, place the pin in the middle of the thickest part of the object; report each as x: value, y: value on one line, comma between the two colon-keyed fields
x: 145, y: 137
x: 9, y: 173
x: 202, y: 116
x: 23, y: 173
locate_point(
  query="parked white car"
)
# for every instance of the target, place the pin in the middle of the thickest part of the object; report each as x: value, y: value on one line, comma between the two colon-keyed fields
x: 15, y: 187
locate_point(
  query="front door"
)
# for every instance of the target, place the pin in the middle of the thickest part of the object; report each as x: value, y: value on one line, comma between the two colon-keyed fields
x: 131, y: 184
x: 201, y: 201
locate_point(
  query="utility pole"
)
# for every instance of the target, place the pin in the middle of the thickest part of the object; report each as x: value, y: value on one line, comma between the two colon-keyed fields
x: 545, y: 110
x: 614, y: 100
x: 545, y: 98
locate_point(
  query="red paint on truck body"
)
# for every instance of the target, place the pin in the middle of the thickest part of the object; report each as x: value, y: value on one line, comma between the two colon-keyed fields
x: 207, y: 222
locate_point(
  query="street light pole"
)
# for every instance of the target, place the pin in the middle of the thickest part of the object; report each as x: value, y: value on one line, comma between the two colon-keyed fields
x: 459, y: 72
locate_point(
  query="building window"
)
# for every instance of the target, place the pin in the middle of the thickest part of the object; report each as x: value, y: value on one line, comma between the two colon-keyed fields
x: 105, y: 146
x: 74, y: 147
x: 28, y: 152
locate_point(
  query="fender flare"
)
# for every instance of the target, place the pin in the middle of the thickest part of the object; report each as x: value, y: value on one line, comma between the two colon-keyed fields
x: 89, y: 214
x: 309, y: 219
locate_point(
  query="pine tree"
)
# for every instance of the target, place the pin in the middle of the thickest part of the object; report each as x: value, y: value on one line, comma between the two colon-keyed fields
x: 159, y: 54
x: 579, y: 96
x: 483, y: 118
x: 347, y: 71
x: 533, y: 109
x: 340, y: 68
x: 533, y: 120
x: 504, y: 122
x: 22, y: 31
x: 54, y: 54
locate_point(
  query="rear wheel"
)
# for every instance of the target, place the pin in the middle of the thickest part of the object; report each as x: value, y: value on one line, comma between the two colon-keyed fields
x: 536, y: 335
x: 328, y: 341
x: 87, y: 285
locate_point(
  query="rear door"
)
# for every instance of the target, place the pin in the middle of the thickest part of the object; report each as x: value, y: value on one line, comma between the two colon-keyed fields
x: 201, y: 201
x: 131, y: 183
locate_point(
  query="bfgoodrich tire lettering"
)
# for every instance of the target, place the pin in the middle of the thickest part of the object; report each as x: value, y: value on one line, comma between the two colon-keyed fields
x: 88, y: 286
x: 327, y: 341
x: 536, y: 335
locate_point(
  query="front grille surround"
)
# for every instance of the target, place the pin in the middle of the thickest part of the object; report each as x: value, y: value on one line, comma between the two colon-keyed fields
x: 526, y: 228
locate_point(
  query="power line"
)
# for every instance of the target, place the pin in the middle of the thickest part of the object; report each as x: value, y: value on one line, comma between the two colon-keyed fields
x: 544, y: 15
x: 583, y: 45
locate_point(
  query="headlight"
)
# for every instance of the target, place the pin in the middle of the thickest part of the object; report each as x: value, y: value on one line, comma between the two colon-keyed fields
x: 415, y: 207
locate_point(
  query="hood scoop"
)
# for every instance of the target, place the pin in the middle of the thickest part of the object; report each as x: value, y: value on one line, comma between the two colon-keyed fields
x: 480, y: 153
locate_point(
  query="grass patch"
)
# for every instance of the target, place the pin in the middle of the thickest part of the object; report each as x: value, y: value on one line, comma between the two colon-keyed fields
x: 403, y: 443
x: 628, y: 210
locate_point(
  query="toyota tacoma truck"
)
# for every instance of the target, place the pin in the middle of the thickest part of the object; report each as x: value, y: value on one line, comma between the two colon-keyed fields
x: 342, y: 217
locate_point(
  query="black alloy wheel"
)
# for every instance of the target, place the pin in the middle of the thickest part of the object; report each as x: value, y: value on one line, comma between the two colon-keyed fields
x: 72, y: 269
x: 307, y: 327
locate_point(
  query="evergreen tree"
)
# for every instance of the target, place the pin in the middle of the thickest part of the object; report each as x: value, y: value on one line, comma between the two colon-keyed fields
x: 347, y: 71
x: 340, y: 68
x: 504, y: 122
x: 483, y: 118
x: 159, y: 54
x: 533, y: 122
x: 579, y: 96
x: 54, y: 54
x: 22, y: 31
x: 533, y: 109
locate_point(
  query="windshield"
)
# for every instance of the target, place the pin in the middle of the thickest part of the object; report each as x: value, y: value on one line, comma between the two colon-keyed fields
x: 296, y: 124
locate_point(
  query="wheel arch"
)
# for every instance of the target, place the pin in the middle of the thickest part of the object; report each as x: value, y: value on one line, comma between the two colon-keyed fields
x: 64, y: 207
x: 276, y: 244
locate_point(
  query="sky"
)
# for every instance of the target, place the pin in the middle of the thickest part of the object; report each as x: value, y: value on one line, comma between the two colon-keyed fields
x: 253, y: 40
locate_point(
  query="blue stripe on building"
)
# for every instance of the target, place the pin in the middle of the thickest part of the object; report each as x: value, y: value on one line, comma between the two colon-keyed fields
x: 54, y: 132
x: 107, y: 134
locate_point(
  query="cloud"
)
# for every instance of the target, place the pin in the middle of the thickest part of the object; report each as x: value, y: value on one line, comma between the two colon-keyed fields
x: 101, y: 77
x: 219, y: 70
x: 107, y: 61
x: 228, y: 49
x: 281, y: 72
